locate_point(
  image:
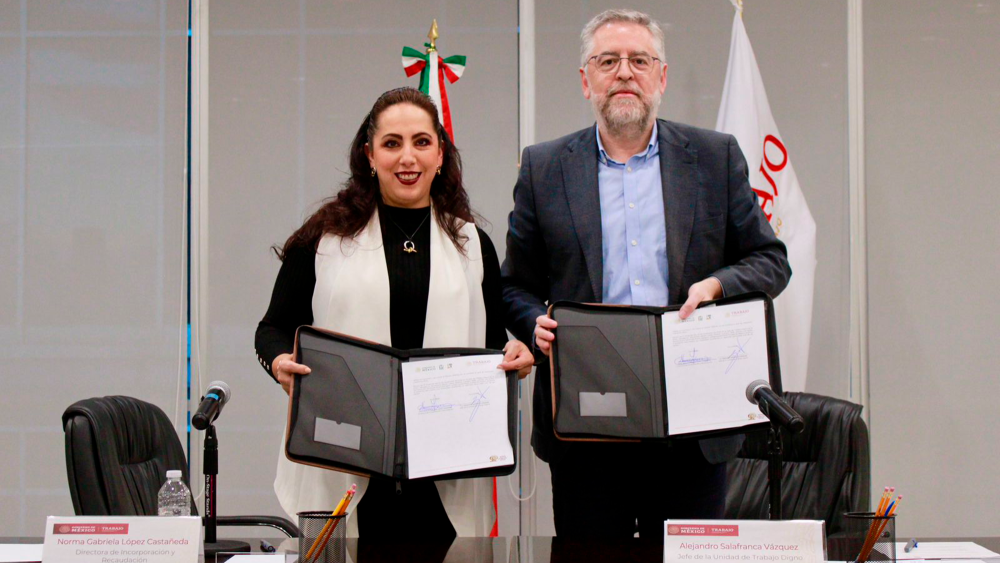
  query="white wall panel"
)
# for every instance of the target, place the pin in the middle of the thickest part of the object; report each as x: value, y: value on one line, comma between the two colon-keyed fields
x: 92, y: 118
x: 933, y: 154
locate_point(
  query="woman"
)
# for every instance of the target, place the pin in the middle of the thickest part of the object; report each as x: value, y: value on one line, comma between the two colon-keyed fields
x: 394, y: 258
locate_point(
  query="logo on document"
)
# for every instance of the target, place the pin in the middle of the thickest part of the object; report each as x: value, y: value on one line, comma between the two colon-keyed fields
x: 698, y: 530
x: 90, y: 529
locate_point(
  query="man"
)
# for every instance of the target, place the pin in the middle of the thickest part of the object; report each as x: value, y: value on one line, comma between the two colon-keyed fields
x: 636, y: 211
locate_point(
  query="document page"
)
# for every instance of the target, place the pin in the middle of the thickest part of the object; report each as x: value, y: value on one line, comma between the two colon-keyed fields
x: 456, y: 415
x: 943, y: 550
x: 709, y: 359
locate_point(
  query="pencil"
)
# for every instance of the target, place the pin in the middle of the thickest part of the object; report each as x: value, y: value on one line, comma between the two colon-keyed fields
x: 336, y: 512
x: 899, y: 499
x: 886, y: 495
x: 333, y: 522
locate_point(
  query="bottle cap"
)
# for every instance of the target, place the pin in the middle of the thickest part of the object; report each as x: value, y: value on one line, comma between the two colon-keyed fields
x: 174, y: 474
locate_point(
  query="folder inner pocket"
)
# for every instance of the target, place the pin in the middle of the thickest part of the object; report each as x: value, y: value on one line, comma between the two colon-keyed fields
x: 337, y: 433
x: 603, y: 404
x: 592, y: 364
x: 337, y: 396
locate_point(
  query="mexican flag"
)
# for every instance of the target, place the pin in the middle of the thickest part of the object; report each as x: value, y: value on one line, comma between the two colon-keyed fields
x: 434, y: 72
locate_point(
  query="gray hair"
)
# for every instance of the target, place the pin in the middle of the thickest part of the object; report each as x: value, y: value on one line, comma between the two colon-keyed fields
x: 614, y: 16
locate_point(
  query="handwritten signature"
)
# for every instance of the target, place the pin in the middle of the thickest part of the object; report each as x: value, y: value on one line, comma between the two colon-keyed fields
x: 691, y: 358
x: 434, y: 406
x: 477, y: 398
x: 739, y: 352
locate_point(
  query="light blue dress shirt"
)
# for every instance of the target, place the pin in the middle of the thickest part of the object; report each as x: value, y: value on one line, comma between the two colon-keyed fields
x: 633, y: 227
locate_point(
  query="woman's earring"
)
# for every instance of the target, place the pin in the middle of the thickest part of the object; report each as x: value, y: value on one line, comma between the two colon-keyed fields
x: 373, y: 172
x: 439, y: 170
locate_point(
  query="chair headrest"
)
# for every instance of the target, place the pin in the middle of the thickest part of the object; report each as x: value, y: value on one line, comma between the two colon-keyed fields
x: 135, y: 426
x: 827, y: 419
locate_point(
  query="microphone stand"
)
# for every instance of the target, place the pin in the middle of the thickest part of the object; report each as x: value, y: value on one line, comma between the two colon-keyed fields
x: 774, y: 454
x: 783, y: 415
x: 210, y: 465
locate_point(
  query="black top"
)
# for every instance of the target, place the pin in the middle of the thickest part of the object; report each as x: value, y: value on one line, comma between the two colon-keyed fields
x: 409, y: 283
x: 409, y: 287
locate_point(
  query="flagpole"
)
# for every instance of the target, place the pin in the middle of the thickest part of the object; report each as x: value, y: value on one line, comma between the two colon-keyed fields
x: 433, y: 86
x: 527, y: 472
x: 526, y: 73
x: 858, y: 385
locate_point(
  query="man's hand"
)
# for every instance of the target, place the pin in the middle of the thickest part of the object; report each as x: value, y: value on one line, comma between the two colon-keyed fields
x: 284, y: 370
x: 543, y: 333
x: 705, y: 290
x: 517, y: 357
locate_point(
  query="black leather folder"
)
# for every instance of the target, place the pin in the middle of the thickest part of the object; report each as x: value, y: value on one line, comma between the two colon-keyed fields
x: 608, y: 373
x: 348, y: 414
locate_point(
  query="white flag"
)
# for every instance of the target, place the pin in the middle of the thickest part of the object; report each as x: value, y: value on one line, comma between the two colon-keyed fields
x: 745, y: 114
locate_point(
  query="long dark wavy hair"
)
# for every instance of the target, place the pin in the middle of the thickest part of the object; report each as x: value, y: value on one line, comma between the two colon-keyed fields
x: 347, y: 213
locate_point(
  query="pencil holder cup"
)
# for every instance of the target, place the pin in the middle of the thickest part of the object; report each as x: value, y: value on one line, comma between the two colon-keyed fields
x: 869, y: 537
x: 322, y: 538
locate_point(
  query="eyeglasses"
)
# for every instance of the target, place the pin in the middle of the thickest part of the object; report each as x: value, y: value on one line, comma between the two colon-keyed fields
x: 607, y: 64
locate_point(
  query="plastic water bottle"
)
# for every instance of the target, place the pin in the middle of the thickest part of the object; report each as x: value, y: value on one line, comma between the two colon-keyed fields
x: 174, y: 498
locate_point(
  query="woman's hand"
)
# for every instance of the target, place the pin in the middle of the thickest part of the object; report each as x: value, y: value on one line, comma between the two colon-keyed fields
x: 517, y: 356
x: 284, y: 369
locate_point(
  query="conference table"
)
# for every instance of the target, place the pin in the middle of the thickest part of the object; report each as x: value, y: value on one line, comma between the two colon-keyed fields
x: 519, y: 549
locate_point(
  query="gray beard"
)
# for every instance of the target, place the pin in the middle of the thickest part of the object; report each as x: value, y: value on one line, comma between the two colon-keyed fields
x: 626, y: 118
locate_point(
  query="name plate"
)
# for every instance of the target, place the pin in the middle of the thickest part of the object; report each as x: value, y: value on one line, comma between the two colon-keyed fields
x: 122, y: 539
x: 790, y: 541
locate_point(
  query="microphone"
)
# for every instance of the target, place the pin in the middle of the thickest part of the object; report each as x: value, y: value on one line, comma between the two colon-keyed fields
x: 211, y: 405
x: 774, y: 407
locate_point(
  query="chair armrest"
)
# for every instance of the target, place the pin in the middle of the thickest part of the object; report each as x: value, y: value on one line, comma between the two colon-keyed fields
x: 289, y: 529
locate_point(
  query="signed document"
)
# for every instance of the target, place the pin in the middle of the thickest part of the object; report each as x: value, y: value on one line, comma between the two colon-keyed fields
x: 456, y: 415
x: 709, y: 359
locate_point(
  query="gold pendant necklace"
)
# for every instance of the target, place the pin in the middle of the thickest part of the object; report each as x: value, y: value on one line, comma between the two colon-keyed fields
x: 408, y: 246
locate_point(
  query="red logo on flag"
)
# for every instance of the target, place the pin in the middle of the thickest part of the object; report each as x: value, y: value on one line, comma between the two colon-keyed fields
x: 99, y: 529
x: 765, y: 196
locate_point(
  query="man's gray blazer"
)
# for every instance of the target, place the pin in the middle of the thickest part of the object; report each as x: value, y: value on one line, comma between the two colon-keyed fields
x: 714, y: 228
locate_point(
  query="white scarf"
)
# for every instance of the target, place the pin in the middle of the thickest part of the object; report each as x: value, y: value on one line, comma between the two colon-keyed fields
x: 352, y: 297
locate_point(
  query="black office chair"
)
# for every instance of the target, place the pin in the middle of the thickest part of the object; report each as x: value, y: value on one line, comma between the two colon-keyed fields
x: 826, y: 469
x: 118, y: 450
